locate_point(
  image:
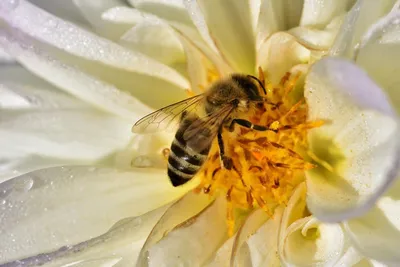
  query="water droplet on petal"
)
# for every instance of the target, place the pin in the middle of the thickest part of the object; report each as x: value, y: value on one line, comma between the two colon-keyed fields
x: 23, y: 185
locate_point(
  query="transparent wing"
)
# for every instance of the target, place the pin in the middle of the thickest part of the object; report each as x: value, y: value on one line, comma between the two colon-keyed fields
x: 167, y: 117
x: 200, y: 134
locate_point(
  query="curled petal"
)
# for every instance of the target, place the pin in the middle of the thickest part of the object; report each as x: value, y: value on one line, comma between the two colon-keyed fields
x: 223, y: 255
x: 279, y: 53
x: 377, y: 233
x: 310, y: 243
x: 357, y: 150
x: 183, y: 210
x: 258, y: 244
x: 304, y: 241
x: 194, y: 241
x: 45, y: 210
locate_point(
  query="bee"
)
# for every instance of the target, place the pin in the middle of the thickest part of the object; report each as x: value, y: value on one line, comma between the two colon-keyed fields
x: 201, y: 119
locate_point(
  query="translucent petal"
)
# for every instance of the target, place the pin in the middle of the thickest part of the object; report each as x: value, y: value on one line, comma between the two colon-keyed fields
x: 359, y: 19
x: 83, y: 86
x: 320, y: 13
x: 45, y: 210
x: 119, y: 246
x: 379, y: 56
x: 52, y: 30
x: 377, y: 233
x: 279, y: 53
x: 357, y: 148
x: 181, y: 211
x: 230, y: 26
x: 193, y: 242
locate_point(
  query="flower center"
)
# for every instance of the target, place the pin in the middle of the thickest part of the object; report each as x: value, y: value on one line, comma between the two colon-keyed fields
x: 267, y: 165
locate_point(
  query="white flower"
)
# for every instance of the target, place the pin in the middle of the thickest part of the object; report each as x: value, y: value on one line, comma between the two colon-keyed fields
x: 66, y: 102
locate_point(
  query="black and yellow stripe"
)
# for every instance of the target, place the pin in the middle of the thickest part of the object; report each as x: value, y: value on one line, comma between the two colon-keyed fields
x: 184, y: 161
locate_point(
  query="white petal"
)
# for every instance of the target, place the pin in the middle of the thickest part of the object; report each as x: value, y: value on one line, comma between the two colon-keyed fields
x: 318, y: 39
x: 169, y: 3
x: 350, y: 258
x: 230, y: 26
x: 63, y: 9
x: 5, y: 57
x: 361, y: 17
x: 119, y: 246
x: 310, y: 243
x: 263, y: 244
x: 50, y: 29
x: 155, y: 40
x: 93, y: 10
x: 125, y: 15
x: 359, y: 140
x: 379, y: 56
x: 292, y: 12
x: 72, y: 80
x: 77, y: 134
x: 47, y: 209
x: 193, y: 242
x: 271, y: 19
x: 279, y: 53
x: 303, y: 241
x: 20, y: 89
x: 184, y: 209
x: 320, y: 13
x: 377, y: 233
x: 199, y: 21
x: 222, y: 257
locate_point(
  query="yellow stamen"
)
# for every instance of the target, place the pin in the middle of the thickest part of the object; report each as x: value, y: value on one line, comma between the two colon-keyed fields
x: 266, y: 166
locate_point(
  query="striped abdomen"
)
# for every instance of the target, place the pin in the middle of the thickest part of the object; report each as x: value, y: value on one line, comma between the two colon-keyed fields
x: 185, y: 159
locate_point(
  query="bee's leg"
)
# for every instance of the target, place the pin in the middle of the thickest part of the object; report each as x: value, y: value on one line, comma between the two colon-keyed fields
x: 226, y: 161
x: 249, y: 125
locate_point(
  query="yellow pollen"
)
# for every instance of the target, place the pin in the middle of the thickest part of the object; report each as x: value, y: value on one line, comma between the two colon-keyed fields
x: 267, y: 165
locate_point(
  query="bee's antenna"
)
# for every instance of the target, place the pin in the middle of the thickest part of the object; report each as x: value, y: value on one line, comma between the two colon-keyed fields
x: 259, y: 82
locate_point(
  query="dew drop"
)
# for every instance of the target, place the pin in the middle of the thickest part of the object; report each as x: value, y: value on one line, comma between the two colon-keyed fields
x: 23, y: 185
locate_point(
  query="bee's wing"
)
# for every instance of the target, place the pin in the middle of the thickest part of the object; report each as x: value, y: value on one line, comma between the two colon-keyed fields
x: 200, y: 134
x: 167, y: 117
